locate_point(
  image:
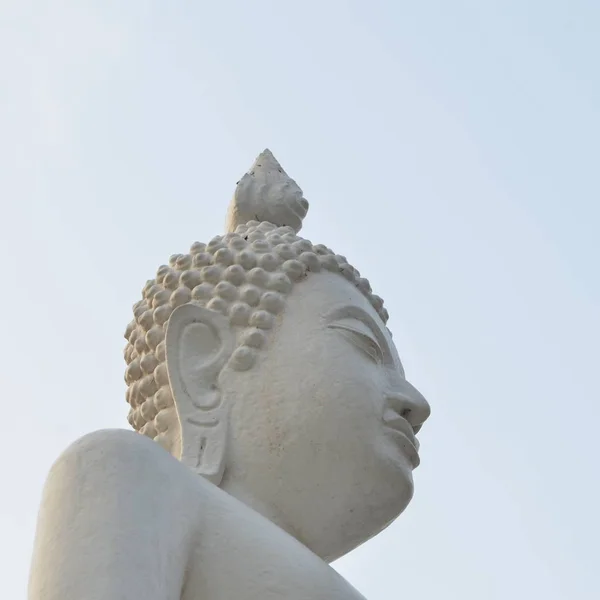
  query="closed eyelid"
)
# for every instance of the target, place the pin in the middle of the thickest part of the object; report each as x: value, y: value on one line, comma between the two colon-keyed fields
x: 354, y: 329
x: 359, y: 321
x: 362, y: 335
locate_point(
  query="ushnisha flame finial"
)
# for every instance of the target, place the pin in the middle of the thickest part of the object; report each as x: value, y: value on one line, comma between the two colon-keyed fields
x: 267, y: 193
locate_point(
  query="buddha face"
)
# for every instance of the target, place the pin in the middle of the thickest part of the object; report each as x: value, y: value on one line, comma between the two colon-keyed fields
x: 322, y: 428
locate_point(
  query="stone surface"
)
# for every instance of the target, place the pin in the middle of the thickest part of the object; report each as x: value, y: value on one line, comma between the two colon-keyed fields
x: 285, y: 427
x: 267, y: 194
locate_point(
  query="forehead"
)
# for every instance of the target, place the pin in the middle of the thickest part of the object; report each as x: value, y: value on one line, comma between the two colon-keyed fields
x: 319, y: 292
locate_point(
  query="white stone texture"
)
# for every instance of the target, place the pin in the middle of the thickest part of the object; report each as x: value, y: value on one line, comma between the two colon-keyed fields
x: 261, y: 363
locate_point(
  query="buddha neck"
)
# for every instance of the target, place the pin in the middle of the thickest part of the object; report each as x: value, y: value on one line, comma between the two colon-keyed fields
x: 234, y: 488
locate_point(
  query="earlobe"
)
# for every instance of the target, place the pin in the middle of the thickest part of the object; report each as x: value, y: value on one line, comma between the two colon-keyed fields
x: 199, y: 342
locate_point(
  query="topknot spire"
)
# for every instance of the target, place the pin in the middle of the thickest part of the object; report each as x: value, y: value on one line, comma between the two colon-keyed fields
x: 267, y: 193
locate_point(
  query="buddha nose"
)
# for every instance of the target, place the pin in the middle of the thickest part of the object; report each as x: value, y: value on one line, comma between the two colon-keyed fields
x: 410, y: 404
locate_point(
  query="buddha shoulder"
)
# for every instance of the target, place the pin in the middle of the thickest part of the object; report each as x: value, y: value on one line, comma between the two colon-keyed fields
x: 114, y: 495
x: 115, y: 469
x: 114, y: 453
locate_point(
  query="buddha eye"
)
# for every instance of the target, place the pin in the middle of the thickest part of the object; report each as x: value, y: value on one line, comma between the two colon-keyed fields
x: 362, y: 341
x: 368, y: 345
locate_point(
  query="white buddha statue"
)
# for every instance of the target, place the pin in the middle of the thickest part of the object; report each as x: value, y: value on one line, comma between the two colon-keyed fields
x: 277, y: 426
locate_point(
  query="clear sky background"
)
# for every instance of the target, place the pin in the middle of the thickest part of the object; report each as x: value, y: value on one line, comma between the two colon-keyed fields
x: 449, y: 149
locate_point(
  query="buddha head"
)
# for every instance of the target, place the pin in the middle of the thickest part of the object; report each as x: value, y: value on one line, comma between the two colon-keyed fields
x: 263, y: 362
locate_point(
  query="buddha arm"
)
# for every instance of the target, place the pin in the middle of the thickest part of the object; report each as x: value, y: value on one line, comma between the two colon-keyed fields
x: 113, y: 523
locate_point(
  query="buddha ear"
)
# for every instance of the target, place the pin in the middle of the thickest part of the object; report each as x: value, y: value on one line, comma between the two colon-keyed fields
x: 199, y: 342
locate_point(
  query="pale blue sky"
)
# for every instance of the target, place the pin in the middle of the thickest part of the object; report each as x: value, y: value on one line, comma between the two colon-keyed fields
x: 449, y: 149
